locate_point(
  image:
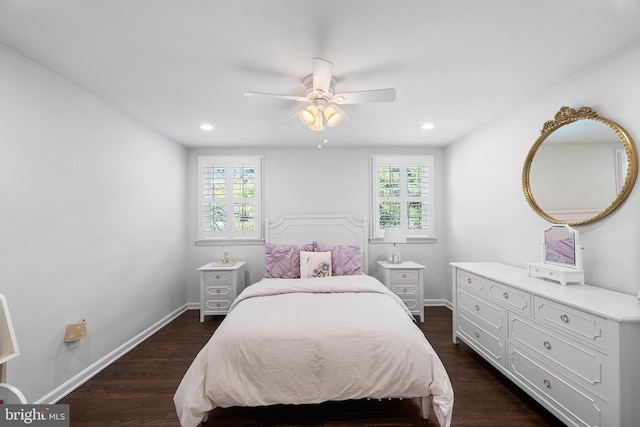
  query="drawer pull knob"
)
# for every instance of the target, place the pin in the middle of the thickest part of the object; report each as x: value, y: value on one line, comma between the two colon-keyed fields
x: 217, y: 277
x: 477, y: 334
x: 217, y: 291
x: 218, y: 304
x: 547, y: 383
x: 506, y: 295
x: 404, y: 290
x: 564, y: 318
x: 404, y: 275
x: 547, y: 345
x: 468, y: 279
x: 477, y: 307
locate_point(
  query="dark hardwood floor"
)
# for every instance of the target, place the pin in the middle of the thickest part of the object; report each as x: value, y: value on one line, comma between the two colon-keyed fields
x: 137, y: 390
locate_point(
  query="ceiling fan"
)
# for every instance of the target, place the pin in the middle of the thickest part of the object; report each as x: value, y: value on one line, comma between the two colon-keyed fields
x: 323, y: 102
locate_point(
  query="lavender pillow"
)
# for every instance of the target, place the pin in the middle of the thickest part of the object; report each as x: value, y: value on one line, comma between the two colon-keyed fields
x: 283, y: 261
x: 345, y: 260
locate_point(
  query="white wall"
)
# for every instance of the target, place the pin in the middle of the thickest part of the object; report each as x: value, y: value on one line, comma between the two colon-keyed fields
x: 311, y: 181
x: 487, y: 215
x: 93, y: 224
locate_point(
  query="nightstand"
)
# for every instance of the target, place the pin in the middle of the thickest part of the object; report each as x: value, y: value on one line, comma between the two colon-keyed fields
x: 405, y: 280
x: 219, y: 286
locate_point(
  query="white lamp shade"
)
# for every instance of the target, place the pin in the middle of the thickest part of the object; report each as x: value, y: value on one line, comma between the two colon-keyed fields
x: 309, y: 115
x: 394, y: 235
x: 333, y: 117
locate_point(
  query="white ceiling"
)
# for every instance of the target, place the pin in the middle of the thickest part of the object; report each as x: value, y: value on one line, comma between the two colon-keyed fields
x: 174, y: 64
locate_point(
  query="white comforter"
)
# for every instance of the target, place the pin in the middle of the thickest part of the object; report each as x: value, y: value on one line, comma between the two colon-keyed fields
x: 303, y: 341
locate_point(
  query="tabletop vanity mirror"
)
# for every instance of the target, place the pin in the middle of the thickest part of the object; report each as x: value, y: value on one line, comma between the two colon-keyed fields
x: 580, y: 169
x: 561, y: 256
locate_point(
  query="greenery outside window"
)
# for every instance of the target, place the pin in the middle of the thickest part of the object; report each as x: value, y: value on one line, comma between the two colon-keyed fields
x: 229, y: 197
x: 402, y: 194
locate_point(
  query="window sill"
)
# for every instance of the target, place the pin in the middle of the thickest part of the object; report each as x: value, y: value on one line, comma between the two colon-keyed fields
x: 229, y: 242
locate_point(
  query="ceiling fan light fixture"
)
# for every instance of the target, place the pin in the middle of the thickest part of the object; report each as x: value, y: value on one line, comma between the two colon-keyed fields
x: 332, y: 116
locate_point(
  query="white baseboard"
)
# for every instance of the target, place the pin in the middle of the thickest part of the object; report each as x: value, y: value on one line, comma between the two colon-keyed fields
x: 438, y: 303
x: 93, y: 369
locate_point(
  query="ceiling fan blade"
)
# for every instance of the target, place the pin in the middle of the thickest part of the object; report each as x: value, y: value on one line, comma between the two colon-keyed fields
x: 322, y: 73
x: 377, y: 95
x: 274, y: 95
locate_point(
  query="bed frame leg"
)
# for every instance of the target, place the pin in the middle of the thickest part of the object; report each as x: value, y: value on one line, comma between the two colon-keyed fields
x: 424, y: 407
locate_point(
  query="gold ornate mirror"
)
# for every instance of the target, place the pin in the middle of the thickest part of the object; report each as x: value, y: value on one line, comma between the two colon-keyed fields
x: 580, y: 169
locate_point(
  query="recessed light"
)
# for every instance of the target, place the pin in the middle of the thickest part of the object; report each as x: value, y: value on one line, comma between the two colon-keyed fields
x: 206, y: 126
x: 427, y: 126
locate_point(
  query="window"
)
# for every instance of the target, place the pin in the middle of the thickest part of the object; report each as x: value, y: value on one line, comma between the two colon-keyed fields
x: 402, y: 194
x: 229, y: 195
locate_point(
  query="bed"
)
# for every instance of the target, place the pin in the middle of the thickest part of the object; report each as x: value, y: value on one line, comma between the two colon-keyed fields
x: 316, y: 337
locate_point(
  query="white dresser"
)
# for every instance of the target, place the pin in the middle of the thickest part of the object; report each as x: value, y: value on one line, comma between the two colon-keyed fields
x: 405, y: 280
x: 574, y: 348
x: 219, y: 286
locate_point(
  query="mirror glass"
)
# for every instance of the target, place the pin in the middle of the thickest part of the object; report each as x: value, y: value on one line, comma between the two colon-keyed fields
x: 560, y: 246
x: 580, y: 169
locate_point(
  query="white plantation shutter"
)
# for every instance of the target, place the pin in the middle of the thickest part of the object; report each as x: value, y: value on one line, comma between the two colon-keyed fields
x: 402, y: 194
x: 229, y: 194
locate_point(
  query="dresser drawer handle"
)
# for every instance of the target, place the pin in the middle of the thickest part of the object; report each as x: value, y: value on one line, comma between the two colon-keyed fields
x: 547, y: 345
x: 217, y: 291
x: 217, y: 277
x: 404, y: 290
x: 217, y: 304
x: 477, y: 334
x: 547, y: 383
x: 564, y: 318
x: 469, y: 280
x: 404, y: 275
x: 506, y: 295
x: 477, y: 307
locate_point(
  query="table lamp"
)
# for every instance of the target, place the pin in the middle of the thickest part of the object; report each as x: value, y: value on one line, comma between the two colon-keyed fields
x: 395, y: 236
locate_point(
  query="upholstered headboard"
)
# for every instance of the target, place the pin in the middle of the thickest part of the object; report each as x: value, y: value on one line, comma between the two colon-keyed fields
x: 329, y: 229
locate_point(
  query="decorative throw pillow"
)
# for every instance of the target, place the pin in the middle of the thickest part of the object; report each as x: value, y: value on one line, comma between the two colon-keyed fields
x: 283, y: 261
x: 346, y: 260
x: 315, y: 264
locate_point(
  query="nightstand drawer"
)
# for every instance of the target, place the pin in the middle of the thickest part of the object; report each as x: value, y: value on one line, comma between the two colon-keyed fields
x: 404, y: 276
x: 218, y: 277
x: 221, y: 291
x: 405, y: 290
x: 217, y: 305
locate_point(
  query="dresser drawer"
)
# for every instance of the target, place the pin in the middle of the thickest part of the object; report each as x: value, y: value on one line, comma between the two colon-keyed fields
x: 574, y: 401
x: 471, y: 281
x: 217, y: 305
x: 592, y: 329
x: 584, y: 364
x: 218, y: 277
x: 404, y: 276
x: 482, y: 336
x: 490, y: 313
x: 509, y: 297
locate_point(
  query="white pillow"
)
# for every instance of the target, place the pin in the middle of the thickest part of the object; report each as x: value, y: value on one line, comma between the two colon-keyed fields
x: 315, y: 264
